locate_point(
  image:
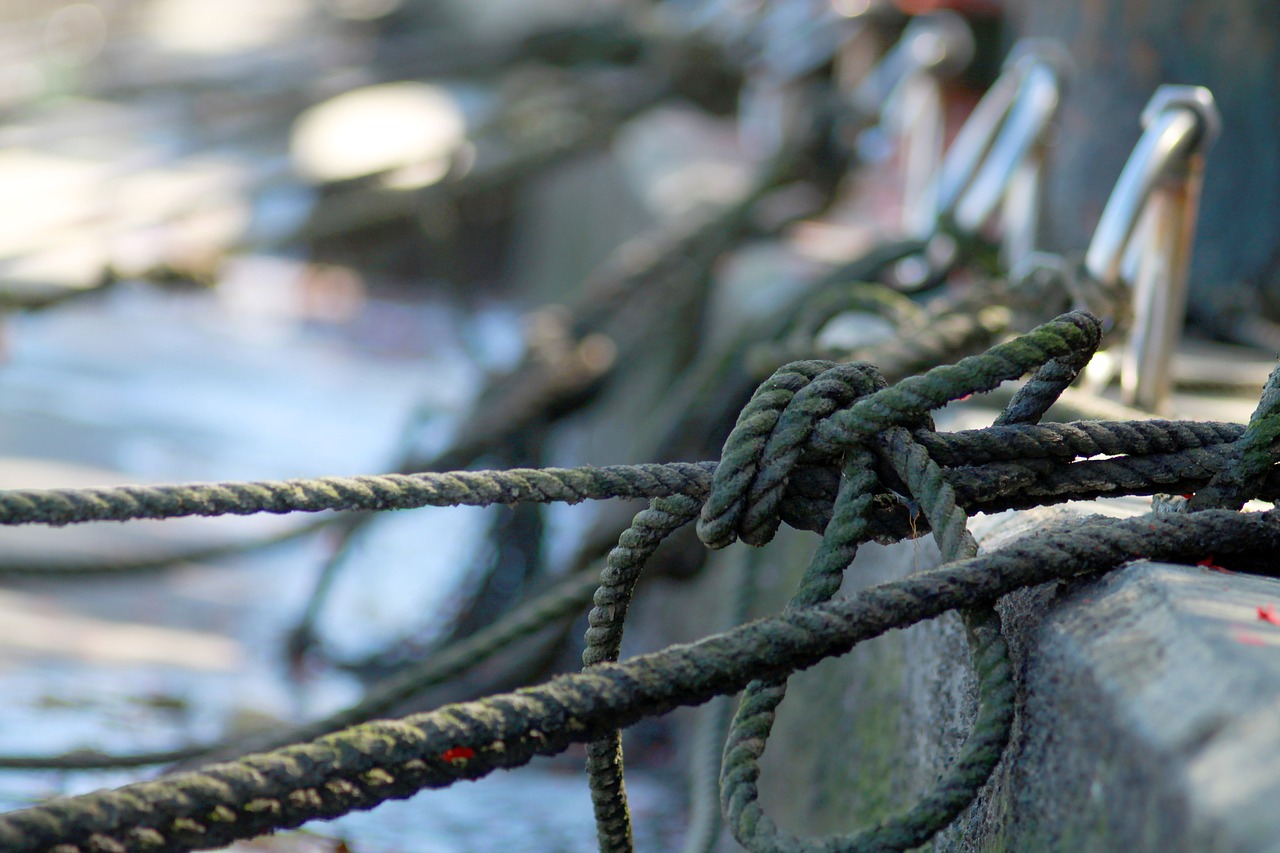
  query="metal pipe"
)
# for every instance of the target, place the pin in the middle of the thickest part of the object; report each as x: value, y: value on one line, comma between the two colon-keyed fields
x: 1146, y: 231
x: 939, y: 43
x: 902, y: 89
x: 1022, y: 129
x: 997, y: 160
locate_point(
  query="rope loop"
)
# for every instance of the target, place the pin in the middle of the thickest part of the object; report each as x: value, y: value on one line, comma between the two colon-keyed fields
x: 771, y: 436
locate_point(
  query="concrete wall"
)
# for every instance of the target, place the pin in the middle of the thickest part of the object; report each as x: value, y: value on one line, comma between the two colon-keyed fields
x: 1149, y: 707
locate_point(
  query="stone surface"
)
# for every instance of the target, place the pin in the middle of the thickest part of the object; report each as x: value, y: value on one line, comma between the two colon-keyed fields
x: 1148, y: 703
x: 1147, y: 713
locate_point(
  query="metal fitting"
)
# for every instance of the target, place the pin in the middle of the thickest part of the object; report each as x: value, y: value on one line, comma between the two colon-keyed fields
x: 997, y: 159
x: 903, y: 91
x: 1144, y: 237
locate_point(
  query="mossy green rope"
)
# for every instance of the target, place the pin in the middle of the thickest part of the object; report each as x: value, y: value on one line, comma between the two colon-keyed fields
x: 1252, y: 457
x: 361, y: 767
x: 826, y: 416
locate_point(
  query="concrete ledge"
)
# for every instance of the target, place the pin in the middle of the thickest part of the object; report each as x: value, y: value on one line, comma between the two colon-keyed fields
x: 1149, y: 707
x: 1150, y: 717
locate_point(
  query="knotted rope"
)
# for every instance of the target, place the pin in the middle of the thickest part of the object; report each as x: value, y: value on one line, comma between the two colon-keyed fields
x: 841, y: 454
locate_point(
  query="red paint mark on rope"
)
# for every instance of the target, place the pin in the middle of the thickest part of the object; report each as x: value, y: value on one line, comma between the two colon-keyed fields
x: 1208, y: 563
x: 458, y: 753
x: 1268, y: 614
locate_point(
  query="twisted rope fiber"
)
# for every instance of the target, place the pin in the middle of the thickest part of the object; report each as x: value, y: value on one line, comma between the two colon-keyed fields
x: 925, y: 482
x: 711, y: 727
x: 379, y: 492
x: 771, y: 456
x: 1011, y: 443
x: 566, y: 598
x: 753, y: 722
x: 765, y: 446
x: 361, y: 767
x: 604, y: 643
x: 903, y: 404
x: 1157, y: 441
x: 1251, y: 457
x: 698, y: 482
x: 992, y: 488
x: 899, y: 404
x: 996, y: 701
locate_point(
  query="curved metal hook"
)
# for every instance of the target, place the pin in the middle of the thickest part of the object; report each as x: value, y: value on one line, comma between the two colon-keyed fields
x: 997, y: 158
x: 903, y: 91
x: 939, y: 43
x: 1144, y: 236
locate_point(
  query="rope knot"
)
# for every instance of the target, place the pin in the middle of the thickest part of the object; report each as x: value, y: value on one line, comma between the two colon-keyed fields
x: 773, y: 432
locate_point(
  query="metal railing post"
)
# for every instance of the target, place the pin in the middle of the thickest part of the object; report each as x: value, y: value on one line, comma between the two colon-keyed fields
x: 1146, y: 230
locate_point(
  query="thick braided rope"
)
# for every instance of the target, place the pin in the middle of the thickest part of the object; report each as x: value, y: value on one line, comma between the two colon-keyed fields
x: 604, y: 643
x: 753, y: 723
x: 1138, y: 480
x: 997, y: 693
x: 358, y: 768
x: 1144, y: 443
x: 749, y: 731
x: 753, y: 505
x: 925, y: 482
x: 1019, y: 442
x: 382, y: 492
x: 998, y: 486
x: 711, y: 728
x: 566, y: 598
x: 909, y: 399
x: 1046, y: 385
x: 773, y: 457
x: 740, y: 461
x: 1252, y: 456
x: 968, y: 448
x: 831, y: 390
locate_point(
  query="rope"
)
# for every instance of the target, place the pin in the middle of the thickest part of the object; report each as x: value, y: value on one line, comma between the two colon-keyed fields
x: 1252, y: 456
x: 561, y: 601
x: 1150, y: 457
x: 711, y: 727
x: 361, y: 767
x: 603, y: 644
x: 380, y: 492
x: 828, y: 447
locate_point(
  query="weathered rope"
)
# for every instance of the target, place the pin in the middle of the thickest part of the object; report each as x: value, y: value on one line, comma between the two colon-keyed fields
x: 1251, y: 457
x: 603, y: 644
x: 997, y: 479
x: 361, y: 767
x: 566, y: 598
x: 383, y: 492
x: 711, y: 726
x: 924, y: 480
x: 831, y: 415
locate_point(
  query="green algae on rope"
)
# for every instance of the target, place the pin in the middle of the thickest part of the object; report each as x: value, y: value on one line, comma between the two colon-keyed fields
x: 819, y: 421
x: 361, y: 767
x: 377, y: 492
